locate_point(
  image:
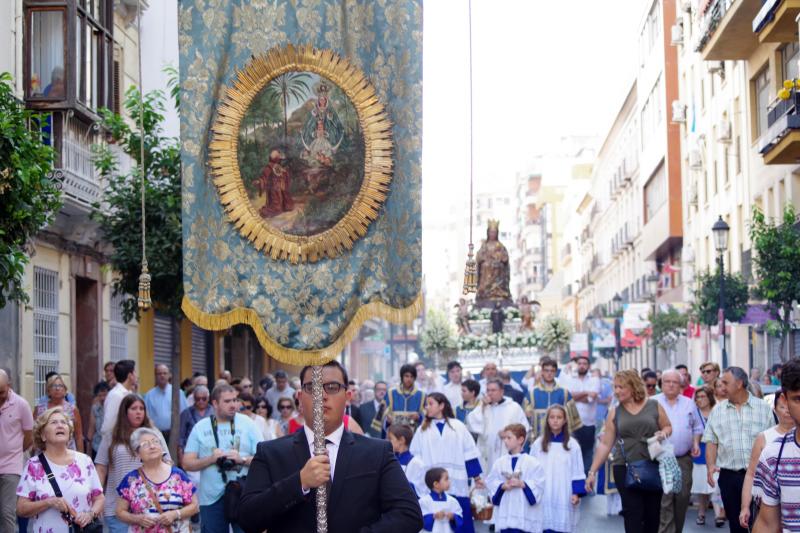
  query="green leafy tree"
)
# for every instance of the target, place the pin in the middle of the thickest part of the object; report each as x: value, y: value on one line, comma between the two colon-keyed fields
x: 668, y: 328
x: 437, y: 335
x: 120, y: 215
x: 554, y: 333
x: 29, y: 198
x: 705, y: 308
x: 288, y: 87
x: 777, y: 260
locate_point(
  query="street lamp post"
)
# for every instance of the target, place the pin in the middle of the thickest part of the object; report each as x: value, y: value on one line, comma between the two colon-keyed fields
x: 652, y: 286
x: 720, y: 231
x: 616, y: 305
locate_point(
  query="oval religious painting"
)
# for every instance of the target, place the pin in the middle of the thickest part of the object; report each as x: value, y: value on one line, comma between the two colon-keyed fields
x: 302, y: 153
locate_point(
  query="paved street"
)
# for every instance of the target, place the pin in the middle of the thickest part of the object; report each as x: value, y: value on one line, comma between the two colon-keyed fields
x: 594, y: 519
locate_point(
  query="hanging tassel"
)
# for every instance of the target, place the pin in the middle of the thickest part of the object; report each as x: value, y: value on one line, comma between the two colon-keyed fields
x: 144, y: 289
x: 470, y: 273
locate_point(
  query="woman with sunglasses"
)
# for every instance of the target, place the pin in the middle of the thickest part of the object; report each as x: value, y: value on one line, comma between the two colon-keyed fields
x: 264, y: 409
x: 285, y: 414
x: 246, y: 403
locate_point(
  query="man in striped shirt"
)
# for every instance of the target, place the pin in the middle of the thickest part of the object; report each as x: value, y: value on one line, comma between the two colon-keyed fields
x: 731, y: 429
x: 778, y: 470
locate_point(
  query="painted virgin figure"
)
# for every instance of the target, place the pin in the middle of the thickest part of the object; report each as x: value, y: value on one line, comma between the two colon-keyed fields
x: 493, y: 270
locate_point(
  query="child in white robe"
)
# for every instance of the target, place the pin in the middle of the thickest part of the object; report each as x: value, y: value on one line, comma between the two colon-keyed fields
x: 400, y: 435
x: 443, y: 441
x: 561, y: 458
x: 516, y: 483
x: 441, y: 513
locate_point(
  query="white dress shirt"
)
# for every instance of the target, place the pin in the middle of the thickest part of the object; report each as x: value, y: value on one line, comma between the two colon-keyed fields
x: 111, y: 407
x: 332, y: 442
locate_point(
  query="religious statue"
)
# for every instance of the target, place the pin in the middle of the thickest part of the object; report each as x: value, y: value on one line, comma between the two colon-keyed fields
x: 274, y: 182
x: 525, y: 313
x: 462, y: 317
x: 493, y: 270
x: 497, y: 317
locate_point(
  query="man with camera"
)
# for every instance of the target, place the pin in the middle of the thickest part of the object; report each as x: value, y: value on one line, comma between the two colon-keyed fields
x: 221, y: 447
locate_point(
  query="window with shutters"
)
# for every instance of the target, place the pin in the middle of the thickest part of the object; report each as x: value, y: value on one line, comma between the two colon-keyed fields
x: 199, y: 349
x: 45, y: 326
x: 118, y: 330
x: 162, y: 340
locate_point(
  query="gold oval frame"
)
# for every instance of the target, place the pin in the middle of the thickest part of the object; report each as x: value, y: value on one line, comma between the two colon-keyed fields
x: 378, y: 153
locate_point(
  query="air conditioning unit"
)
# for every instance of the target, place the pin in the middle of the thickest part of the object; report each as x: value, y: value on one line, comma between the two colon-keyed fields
x: 677, y: 34
x: 678, y: 112
x: 695, y: 159
x: 715, y: 66
x: 725, y: 131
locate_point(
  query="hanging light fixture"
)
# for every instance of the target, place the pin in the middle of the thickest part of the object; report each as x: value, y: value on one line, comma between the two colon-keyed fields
x: 471, y: 269
x: 144, y: 300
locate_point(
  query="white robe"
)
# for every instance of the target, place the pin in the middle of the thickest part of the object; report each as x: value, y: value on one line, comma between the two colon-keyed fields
x: 450, y: 449
x: 429, y: 507
x: 487, y: 421
x: 515, y: 511
x: 415, y: 473
x: 561, y: 469
x: 453, y: 393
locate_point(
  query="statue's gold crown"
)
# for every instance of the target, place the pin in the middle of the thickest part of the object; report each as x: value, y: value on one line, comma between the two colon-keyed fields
x: 494, y: 224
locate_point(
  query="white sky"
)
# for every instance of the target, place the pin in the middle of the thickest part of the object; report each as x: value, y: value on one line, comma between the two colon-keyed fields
x: 541, y: 70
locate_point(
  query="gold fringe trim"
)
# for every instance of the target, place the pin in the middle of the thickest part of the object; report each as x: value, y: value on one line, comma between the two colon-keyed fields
x: 291, y: 356
x: 378, y: 153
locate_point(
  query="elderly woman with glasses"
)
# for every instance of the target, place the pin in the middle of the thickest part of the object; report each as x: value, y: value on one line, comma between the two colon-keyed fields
x: 57, y: 397
x: 156, y: 497
x: 81, y: 499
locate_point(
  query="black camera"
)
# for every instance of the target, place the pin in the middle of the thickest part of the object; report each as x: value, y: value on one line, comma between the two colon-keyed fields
x: 225, y: 464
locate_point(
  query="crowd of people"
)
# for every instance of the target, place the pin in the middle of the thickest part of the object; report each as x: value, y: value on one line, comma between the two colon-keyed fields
x: 519, y: 454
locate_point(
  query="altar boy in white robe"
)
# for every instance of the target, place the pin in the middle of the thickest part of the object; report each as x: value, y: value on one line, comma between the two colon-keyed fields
x: 487, y: 421
x: 441, y: 513
x: 400, y: 435
x: 562, y: 460
x: 516, y: 483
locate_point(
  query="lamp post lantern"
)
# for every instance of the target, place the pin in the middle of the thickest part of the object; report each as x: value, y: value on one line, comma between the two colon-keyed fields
x: 720, y: 230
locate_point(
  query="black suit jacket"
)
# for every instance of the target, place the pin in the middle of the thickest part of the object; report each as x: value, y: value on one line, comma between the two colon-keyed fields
x: 370, y: 492
x: 367, y: 415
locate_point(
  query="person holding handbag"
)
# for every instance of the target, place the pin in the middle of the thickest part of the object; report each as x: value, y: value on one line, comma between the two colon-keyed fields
x: 157, y: 497
x: 628, y: 426
x: 59, y: 488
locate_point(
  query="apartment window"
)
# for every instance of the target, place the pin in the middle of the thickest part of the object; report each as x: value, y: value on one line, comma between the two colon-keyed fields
x: 79, y: 71
x: 761, y: 84
x: 651, y: 113
x: 715, y: 178
x: 45, y: 327
x: 738, y: 155
x: 651, y: 32
x: 118, y: 330
x: 655, y: 193
x: 789, y: 56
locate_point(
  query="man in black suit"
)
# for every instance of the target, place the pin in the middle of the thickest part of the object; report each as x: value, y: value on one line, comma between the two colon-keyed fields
x: 369, y: 491
x: 371, y: 412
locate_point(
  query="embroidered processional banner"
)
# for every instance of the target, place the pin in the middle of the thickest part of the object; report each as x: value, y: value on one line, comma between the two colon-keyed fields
x: 301, y: 129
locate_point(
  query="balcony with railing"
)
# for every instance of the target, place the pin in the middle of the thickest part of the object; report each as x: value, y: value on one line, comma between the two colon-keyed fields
x: 780, y: 144
x: 80, y: 182
x: 726, y: 30
x: 776, y: 21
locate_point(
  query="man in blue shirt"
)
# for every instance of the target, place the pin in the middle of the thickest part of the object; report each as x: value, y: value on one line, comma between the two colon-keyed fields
x: 158, y: 401
x: 221, y: 447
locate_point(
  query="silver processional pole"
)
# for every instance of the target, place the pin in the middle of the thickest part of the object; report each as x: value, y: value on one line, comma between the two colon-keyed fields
x: 319, y: 446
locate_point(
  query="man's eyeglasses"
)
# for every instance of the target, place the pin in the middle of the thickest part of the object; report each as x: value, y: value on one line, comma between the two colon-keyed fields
x: 201, y: 398
x: 332, y: 387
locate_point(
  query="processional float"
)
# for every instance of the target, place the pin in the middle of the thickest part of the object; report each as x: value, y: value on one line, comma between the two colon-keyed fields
x: 301, y: 130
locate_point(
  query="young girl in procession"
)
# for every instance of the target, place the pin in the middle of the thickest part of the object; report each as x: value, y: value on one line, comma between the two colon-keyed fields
x: 516, y: 483
x: 560, y: 456
x: 441, y: 513
x: 400, y: 435
x: 443, y: 441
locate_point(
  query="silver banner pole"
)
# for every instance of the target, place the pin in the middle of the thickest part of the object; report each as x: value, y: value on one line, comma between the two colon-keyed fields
x: 319, y: 446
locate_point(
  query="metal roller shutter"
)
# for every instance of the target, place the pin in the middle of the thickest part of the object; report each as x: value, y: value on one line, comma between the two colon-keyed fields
x: 162, y: 340
x: 198, y: 350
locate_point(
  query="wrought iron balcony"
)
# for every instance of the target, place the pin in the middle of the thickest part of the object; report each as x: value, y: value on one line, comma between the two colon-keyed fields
x: 726, y: 30
x: 780, y: 144
x: 775, y: 22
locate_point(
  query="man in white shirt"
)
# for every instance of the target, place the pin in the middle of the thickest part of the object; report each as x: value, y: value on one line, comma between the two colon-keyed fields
x: 584, y: 389
x: 281, y: 389
x: 489, y: 419
x: 127, y: 381
x: 452, y: 389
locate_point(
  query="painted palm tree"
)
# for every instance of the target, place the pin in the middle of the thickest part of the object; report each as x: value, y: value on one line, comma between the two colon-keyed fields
x: 289, y: 87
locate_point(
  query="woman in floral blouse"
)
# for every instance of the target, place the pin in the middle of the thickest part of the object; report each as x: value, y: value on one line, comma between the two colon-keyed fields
x: 82, y: 494
x: 158, y: 497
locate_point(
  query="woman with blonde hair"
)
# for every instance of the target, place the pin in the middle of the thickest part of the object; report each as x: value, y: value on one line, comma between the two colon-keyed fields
x: 57, y: 397
x: 628, y: 426
x: 74, y: 494
x: 157, y: 497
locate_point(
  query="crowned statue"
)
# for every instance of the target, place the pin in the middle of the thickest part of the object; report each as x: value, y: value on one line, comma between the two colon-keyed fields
x: 493, y: 271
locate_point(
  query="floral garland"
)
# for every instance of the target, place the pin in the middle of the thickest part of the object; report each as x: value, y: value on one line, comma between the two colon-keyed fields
x: 529, y: 339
